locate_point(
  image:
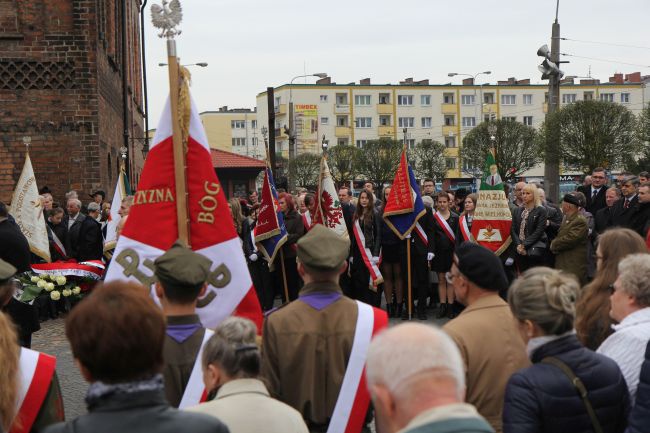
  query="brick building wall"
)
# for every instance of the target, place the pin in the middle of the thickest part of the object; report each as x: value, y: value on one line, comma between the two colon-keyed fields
x: 61, y: 85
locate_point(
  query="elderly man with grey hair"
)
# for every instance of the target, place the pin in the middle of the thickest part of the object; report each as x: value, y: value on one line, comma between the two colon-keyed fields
x: 416, y: 380
x: 90, y: 242
x: 630, y: 307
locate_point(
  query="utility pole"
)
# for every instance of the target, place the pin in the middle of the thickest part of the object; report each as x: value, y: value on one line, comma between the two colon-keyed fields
x: 292, y: 143
x: 270, y: 105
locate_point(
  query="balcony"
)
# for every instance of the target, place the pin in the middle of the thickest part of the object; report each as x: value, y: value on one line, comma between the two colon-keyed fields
x: 385, y: 131
x: 384, y: 108
x: 451, y: 151
x: 342, y: 131
x: 489, y: 108
x: 449, y: 131
x: 342, y: 108
x: 279, y: 133
x: 448, y: 108
x: 280, y: 110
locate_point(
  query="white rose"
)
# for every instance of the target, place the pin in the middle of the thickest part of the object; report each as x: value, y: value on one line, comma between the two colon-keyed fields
x: 67, y: 292
x: 35, y: 279
x: 45, y: 276
x: 41, y: 283
x: 76, y: 290
x: 55, y: 295
x: 60, y: 280
x: 49, y: 286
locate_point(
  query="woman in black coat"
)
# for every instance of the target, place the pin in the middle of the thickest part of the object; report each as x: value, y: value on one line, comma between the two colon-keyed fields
x: 366, y: 224
x: 543, y: 397
x: 295, y: 230
x: 528, y: 230
x: 640, y: 416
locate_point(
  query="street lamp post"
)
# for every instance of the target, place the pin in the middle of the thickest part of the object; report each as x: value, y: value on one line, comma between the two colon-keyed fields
x: 201, y: 64
x: 453, y: 74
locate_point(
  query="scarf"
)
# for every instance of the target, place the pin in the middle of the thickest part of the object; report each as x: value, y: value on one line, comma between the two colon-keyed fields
x: 100, y: 390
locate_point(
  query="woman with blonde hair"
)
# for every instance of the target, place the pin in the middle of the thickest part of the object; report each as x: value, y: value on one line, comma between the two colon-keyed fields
x: 568, y: 388
x: 528, y: 230
x: 593, y: 323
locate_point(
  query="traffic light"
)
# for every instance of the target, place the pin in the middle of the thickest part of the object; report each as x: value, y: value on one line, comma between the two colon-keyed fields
x: 548, y: 68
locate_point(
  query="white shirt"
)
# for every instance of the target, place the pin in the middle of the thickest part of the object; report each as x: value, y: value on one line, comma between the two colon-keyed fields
x: 627, y: 346
x: 71, y: 219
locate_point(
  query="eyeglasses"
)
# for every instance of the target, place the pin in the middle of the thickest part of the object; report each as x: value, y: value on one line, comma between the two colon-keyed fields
x: 611, y: 288
x: 449, y: 277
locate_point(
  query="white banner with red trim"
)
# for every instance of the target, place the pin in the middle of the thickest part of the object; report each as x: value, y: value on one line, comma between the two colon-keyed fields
x: 373, y: 268
x: 36, y: 373
x: 442, y: 222
x: 353, y: 399
x: 195, y: 391
x: 93, y: 269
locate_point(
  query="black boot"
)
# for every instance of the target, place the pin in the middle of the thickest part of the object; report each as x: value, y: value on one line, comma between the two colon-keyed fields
x: 389, y: 310
x: 422, y: 313
x: 397, y: 312
x: 451, y: 311
x: 405, y: 313
x: 442, y: 311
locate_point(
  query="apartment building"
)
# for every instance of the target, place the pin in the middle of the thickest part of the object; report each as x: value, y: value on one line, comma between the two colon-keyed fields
x: 234, y: 130
x: 357, y: 112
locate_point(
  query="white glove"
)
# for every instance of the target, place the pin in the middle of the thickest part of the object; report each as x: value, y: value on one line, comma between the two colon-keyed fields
x: 375, y: 260
x: 351, y: 259
x: 252, y: 257
x: 430, y: 256
x: 408, y: 236
x: 509, y: 261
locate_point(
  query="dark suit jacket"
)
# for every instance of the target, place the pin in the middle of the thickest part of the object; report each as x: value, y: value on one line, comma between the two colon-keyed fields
x: 427, y: 224
x: 91, y: 244
x: 73, y: 236
x: 598, y: 203
x: 641, y: 220
x: 535, y: 227
x: 621, y: 217
x: 601, y: 219
x: 14, y: 248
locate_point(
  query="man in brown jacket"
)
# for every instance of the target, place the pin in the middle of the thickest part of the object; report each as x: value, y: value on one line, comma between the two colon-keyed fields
x: 306, y: 344
x: 485, y: 332
x: 570, y: 244
x: 182, y: 276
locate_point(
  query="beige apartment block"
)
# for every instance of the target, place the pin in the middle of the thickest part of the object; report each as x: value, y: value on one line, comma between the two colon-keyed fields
x: 234, y: 130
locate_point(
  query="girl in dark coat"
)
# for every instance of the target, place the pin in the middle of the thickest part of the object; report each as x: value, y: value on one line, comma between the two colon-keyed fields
x: 444, y: 238
x: 369, y: 225
x: 295, y: 230
x: 543, y: 398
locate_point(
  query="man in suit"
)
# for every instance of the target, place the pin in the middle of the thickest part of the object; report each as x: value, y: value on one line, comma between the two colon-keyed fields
x: 73, y: 222
x: 595, y: 193
x: 345, y: 197
x: 624, y: 211
x: 601, y: 218
x: 641, y: 222
x: 485, y: 332
x: 421, y: 256
x: 91, y: 245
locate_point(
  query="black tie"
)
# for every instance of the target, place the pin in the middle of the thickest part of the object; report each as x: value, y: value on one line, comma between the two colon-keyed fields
x: 627, y: 203
x: 593, y: 194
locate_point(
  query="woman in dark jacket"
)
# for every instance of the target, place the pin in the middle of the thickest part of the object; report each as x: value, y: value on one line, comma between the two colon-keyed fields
x: 528, y: 230
x: 543, y: 397
x: 366, y: 225
x: 392, y: 250
x: 640, y: 416
x: 295, y: 230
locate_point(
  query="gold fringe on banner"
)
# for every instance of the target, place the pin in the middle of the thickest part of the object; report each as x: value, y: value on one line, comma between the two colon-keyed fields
x: 184, y: 104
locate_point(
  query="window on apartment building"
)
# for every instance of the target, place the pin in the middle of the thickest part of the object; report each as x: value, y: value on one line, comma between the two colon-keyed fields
x: 238, y: 124
x: 410, y: 142
x: 625, y: 98
x: 488, y: 98
x: 384, y: 98
x: 324, y: 120
x: 469, y: 121
x: 450, y: 141
x: 323, y: 98
x: 588, y: 96
x: 254, y: 141
x: 527, y: 120
x: 607, y: 97
x: 406, y: 122
x: 341, y: 120
x: 528, y: 99
x: 450, y: 163
x: 361, y: 143
x: 254, y: 124
x: 467, y: 99
x: 361, y: 99
x: 569, y: 98
x: 448, y: 98
x: 508, y: 99
x: 426, y: 122
x: 425, y: 100
x: 509, y: 118
x: 277, y: 100
x: 341, y: 99
x: 450, y: 120
x: 489, y: 116
x: 363, y: 122
x: 384, y: 120
x: 404, y: 99
x: 342, y: 141
x: 237, y: 142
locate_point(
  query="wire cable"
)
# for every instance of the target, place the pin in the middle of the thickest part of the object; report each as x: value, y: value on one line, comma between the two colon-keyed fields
x: 606, y: 43
x: 605, y: 60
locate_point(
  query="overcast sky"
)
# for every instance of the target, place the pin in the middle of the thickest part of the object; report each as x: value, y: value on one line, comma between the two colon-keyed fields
x: 252, y: 44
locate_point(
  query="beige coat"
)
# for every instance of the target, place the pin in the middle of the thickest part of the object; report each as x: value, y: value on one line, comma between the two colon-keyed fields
x: 305, y: 353
x: 492, y: 351
x: 244, y: 405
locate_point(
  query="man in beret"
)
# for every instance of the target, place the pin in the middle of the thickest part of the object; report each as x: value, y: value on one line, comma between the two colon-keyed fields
x: 98, y: 196
x: 570, y: 244
x: 181, y: 276
x: 306, y: 344
x: 485, y: 331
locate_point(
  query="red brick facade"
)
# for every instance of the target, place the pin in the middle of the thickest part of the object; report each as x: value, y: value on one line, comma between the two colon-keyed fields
x: 61, y: 85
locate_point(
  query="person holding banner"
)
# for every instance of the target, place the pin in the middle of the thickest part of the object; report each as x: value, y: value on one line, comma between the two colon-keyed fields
x: 391, y: 265
x: 366, y: 246
x: 444, y: 238
x: 295, y: 230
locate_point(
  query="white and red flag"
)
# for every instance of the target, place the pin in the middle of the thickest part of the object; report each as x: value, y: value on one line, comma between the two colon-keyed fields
x: 152, y: 226
x: 328, y: 207
x: 121, y: 191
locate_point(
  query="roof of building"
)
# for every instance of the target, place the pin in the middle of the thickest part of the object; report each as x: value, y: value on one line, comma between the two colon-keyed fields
x: 223, y: 159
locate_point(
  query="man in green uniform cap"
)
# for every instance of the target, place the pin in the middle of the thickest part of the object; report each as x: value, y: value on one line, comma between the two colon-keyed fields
x: 306, y: 344
x: 181, y: 279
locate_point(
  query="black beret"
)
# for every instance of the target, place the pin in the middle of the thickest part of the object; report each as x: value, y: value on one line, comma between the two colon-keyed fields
x: 570, y: 198
x: 481, y: 266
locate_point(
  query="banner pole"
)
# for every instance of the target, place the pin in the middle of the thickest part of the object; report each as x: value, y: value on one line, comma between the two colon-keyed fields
x: 178, y: 147
x: 284, y: 277
x: 408, y: 270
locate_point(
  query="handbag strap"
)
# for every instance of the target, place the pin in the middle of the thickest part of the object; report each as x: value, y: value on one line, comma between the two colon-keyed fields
x: 582, y: 391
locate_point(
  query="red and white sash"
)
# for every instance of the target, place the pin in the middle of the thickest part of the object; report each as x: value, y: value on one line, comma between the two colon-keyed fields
x: 195, y: 391
x: 306, y: 220
x: 375, y: 275
x: 465, y: 231
x: 442, y: 222
x: 36, y: 373
x: 354, y: 398
x: 58, y: 245
x: 421, y: 234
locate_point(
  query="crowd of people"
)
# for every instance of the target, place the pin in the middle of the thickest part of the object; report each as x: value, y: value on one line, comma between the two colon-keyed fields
x: 550, y: 336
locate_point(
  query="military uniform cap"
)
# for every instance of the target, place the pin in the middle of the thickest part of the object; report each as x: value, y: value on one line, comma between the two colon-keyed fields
x: 181, y: 266
x: 6, y: 271
x: 321, y: 248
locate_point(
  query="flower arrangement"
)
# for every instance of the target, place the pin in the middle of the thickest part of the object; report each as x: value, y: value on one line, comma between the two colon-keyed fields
x: 56, y: 285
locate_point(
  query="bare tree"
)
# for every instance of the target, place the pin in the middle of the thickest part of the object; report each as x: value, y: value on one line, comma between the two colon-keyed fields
x: 429, y: 160
x: 341, y: 160
x: 304, y: 169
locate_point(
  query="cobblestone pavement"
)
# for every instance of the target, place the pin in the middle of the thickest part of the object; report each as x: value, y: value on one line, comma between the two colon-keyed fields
x: 51, y: 339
